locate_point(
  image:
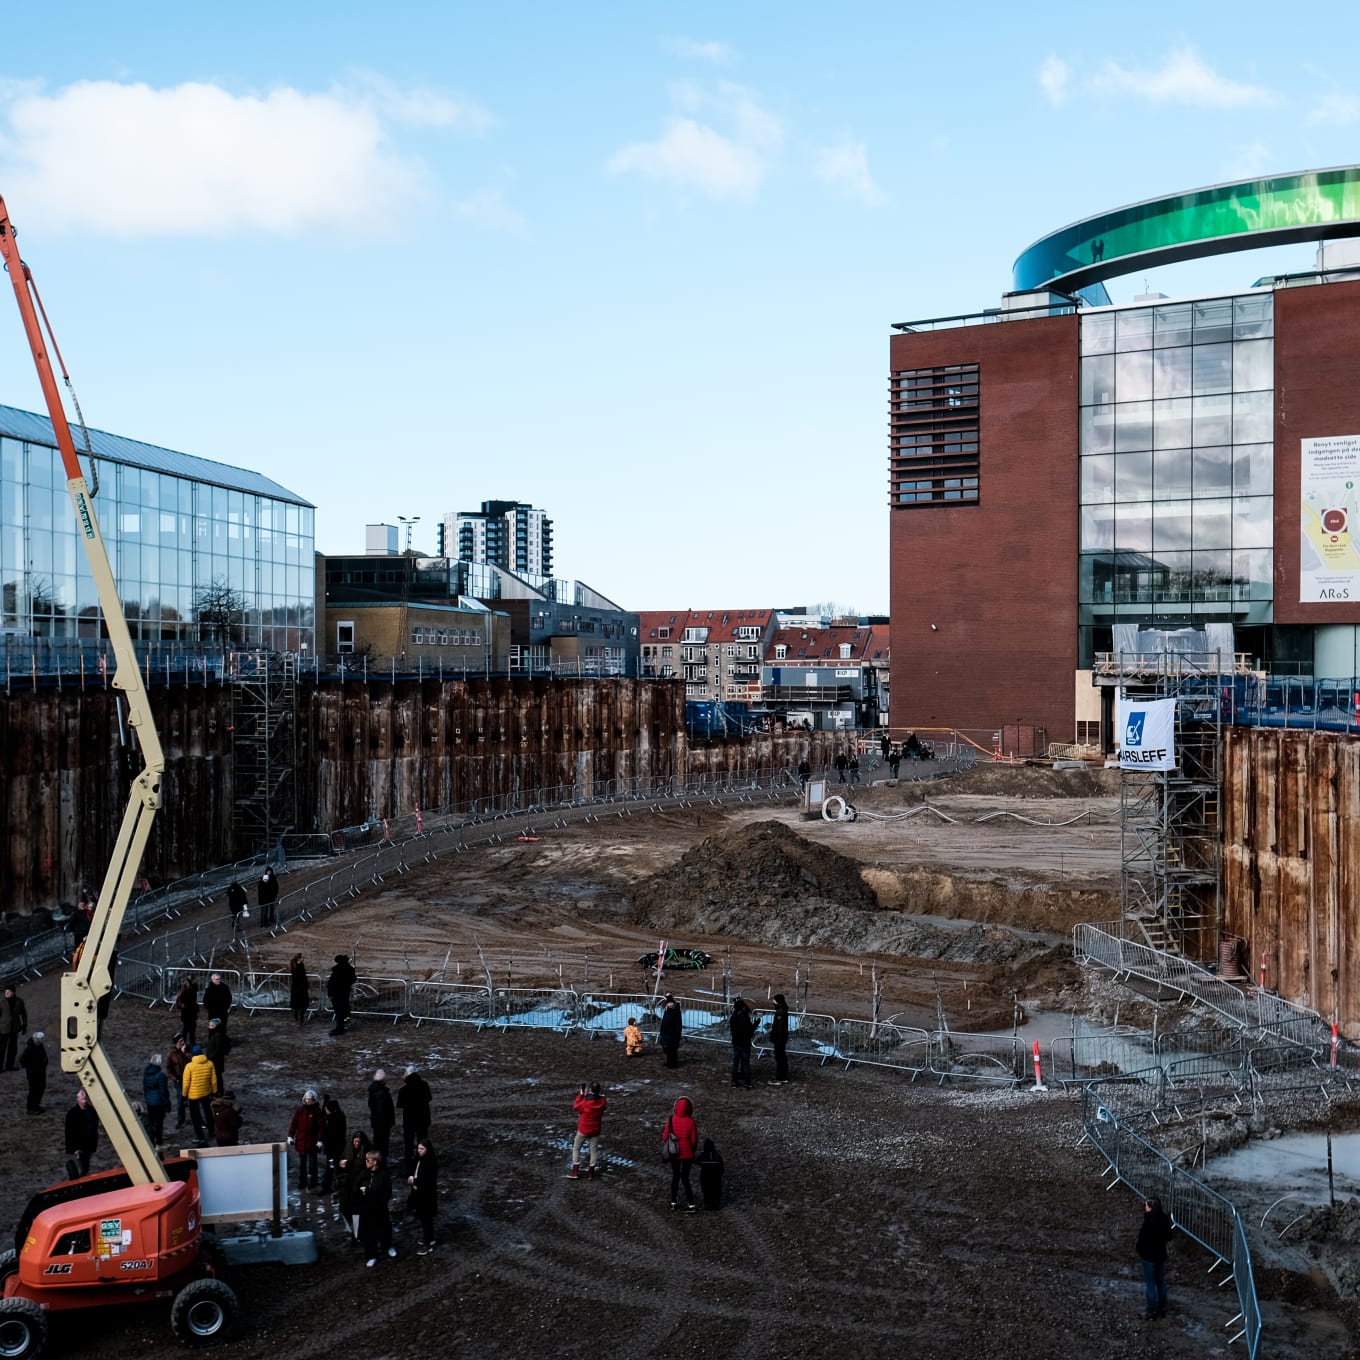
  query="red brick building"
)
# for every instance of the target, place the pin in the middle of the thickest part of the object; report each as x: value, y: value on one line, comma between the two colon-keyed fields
x: 1061, y: 474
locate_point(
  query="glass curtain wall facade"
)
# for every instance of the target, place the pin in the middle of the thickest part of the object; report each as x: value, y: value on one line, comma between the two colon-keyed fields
x: 1177, y: 465
x: 177, y: 545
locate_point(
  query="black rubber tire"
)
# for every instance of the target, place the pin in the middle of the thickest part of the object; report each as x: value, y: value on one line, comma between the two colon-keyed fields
x: 9, y: 1264
x: 23, y: 1329
x: 203, y: 1312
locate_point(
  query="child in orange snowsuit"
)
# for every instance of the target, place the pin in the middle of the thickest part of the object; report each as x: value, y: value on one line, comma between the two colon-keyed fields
x: 632, y: 1039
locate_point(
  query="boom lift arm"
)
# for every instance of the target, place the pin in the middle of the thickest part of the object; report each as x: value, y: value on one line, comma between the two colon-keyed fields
x: 84, y: 987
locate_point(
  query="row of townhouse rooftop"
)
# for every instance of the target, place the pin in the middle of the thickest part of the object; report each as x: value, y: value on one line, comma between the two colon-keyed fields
x: 827, y: 674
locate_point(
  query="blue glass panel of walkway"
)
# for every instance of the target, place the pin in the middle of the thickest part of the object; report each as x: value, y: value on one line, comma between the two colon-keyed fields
x: 1311, y: 206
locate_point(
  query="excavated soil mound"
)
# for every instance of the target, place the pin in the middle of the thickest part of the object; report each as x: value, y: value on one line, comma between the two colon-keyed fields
x: 764, y: 883
x: 754, y: 870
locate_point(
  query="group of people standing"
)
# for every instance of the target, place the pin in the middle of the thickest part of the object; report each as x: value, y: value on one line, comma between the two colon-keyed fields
x: 743, y: 1026
x: 266, y: 895
x: 357, y: 1167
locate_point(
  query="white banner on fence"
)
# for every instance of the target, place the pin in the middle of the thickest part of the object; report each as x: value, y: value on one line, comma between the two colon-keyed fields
x: 1147, y: 734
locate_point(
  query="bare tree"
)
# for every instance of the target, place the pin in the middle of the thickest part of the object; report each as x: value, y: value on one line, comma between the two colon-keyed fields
x: 218, y: 608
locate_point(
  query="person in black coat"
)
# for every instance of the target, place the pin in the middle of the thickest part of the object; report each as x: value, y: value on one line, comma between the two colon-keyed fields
x: 375, y: 1207
x: 15, y: 1022
x: 237, y: 901
x: 414, y: 1100
x: 156, y: 1095
x: 710, y: 1164
x: 268, y: 894
x: 186, y: 1003
x: 334, y: 1141
x: 1153, y: 1236
x: 742, y: 1027
x: 424, y: 1201
x: 299, y: 989
x: 217, y: 999
x: 34, y: 1062
x: 382, y: 1113
x: 779, y: 1037
x: 338, y: 988
x: 668, y: 1036
x: 215, y: 1048
x: 82, y: 1135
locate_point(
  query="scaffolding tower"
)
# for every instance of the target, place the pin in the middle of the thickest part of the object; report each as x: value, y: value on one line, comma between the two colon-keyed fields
x: 1171, y: 821
x: 264, y: 750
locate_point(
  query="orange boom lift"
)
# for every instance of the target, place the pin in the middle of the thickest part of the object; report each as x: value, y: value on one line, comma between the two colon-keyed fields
x: 124, y: 1236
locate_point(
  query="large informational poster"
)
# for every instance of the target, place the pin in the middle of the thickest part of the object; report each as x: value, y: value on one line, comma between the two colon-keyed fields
x: 1329, y: 561
x: 1147, y: 734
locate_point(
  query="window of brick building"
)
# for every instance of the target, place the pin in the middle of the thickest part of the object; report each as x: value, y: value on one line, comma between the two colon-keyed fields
x: 934, y: 435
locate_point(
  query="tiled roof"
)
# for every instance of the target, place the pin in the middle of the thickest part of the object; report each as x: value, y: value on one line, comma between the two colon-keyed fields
x: 812, y: 646
x: 721, y: 624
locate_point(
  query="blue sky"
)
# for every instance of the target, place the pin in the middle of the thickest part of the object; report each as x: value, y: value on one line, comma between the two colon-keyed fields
x: 634, y: 263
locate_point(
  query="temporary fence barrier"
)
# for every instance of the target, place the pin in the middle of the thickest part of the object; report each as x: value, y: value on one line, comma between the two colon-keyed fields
x: 882, y: 1044
x: 977, y: 1057
x: 379, y: 996
x: 1079, y: 1058
x: 1196, y: 1209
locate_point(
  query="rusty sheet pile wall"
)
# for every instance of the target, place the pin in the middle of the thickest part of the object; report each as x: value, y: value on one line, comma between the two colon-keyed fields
x: 1292, y: 863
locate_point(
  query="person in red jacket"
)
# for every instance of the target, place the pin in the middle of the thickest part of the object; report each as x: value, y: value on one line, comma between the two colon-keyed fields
x: 590, y: 1106
x: 307, y: 1133
x: 685, y: 1131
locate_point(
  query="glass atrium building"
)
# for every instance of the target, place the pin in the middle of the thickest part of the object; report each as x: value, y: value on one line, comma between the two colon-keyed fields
x: 198, y: 548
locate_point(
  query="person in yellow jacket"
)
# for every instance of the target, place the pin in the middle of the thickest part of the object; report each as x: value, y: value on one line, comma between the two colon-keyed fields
x: 632, y: 1039
x: 199, y: 1086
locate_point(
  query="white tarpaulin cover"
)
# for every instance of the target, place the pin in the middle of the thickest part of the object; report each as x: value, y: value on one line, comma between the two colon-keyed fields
x: 1147, y: 734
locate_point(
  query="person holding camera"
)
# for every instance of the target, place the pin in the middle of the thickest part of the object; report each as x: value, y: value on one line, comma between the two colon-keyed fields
x: 590, y: 1106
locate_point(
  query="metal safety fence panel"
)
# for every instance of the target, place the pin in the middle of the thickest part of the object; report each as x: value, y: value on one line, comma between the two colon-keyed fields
x: 173, y: 978
x: 1244, y: 1277
x: 883, y: 1044
x: 705, y: 1019
x: 136, y: 977
x: 381, y: 996
x: 1075, y: 1058
x: 976, y: 1057
x: 609, y: 1012
x: 810, y: 1035
x: 451, y: 1003
x: 273, y: 991
x: 535, y: 1007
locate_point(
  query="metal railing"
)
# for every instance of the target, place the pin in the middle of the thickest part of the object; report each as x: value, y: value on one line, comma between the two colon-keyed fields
x: 1197, y: 1210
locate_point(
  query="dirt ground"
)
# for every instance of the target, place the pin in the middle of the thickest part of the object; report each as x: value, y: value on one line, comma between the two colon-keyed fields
x: 860, y: 1210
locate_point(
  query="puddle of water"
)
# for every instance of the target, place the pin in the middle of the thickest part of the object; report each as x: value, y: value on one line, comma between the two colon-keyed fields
x: 1297, y: 1162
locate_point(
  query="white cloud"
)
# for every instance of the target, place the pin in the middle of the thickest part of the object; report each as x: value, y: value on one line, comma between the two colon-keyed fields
x: 422, y: 107
x: 488, y: 208
x: 846, y: 165
x: 199, y: 160
x: 694, y: 153
x: 1053, y: 76
x: 1339, y: 109
x: 719, y: 53
x: 1182, y: 78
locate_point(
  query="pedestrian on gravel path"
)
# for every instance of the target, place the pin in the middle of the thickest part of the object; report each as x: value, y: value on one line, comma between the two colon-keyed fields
x: 175, y: 1062
x: 680, y: 1140
x: 375, y: 1208
x: 742, y: 1026
x: 215, y: 1048
x: 335, y: 1141
x: 306, y: 1133
x: 633, y: 1042
x: 351, y: 1168
x: 13, y: 1023
x: 156, y: 1097
x: 414, y: 1101
x: 668, y: 1035
x: 779, y: 1037
x: 382, y: 1114
x: 710, y: 1164
x: 82, y: 1136
x: 217, y: 999
x: 267, y: 893
x: 854, y: 768
x: 238, y: 904
x: 1153, y: 1236
x: 186, y: 1006
x: 424, y: 1198
x: 590, y: 1106
x: 338, y: 988
x: 199, y: 1085
x: 840, y: 763
x: 227, y: 1120
x: 299, y: 989
x: 34, y: 1062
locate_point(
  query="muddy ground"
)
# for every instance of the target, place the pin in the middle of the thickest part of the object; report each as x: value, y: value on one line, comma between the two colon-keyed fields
x: 861, y: 1210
